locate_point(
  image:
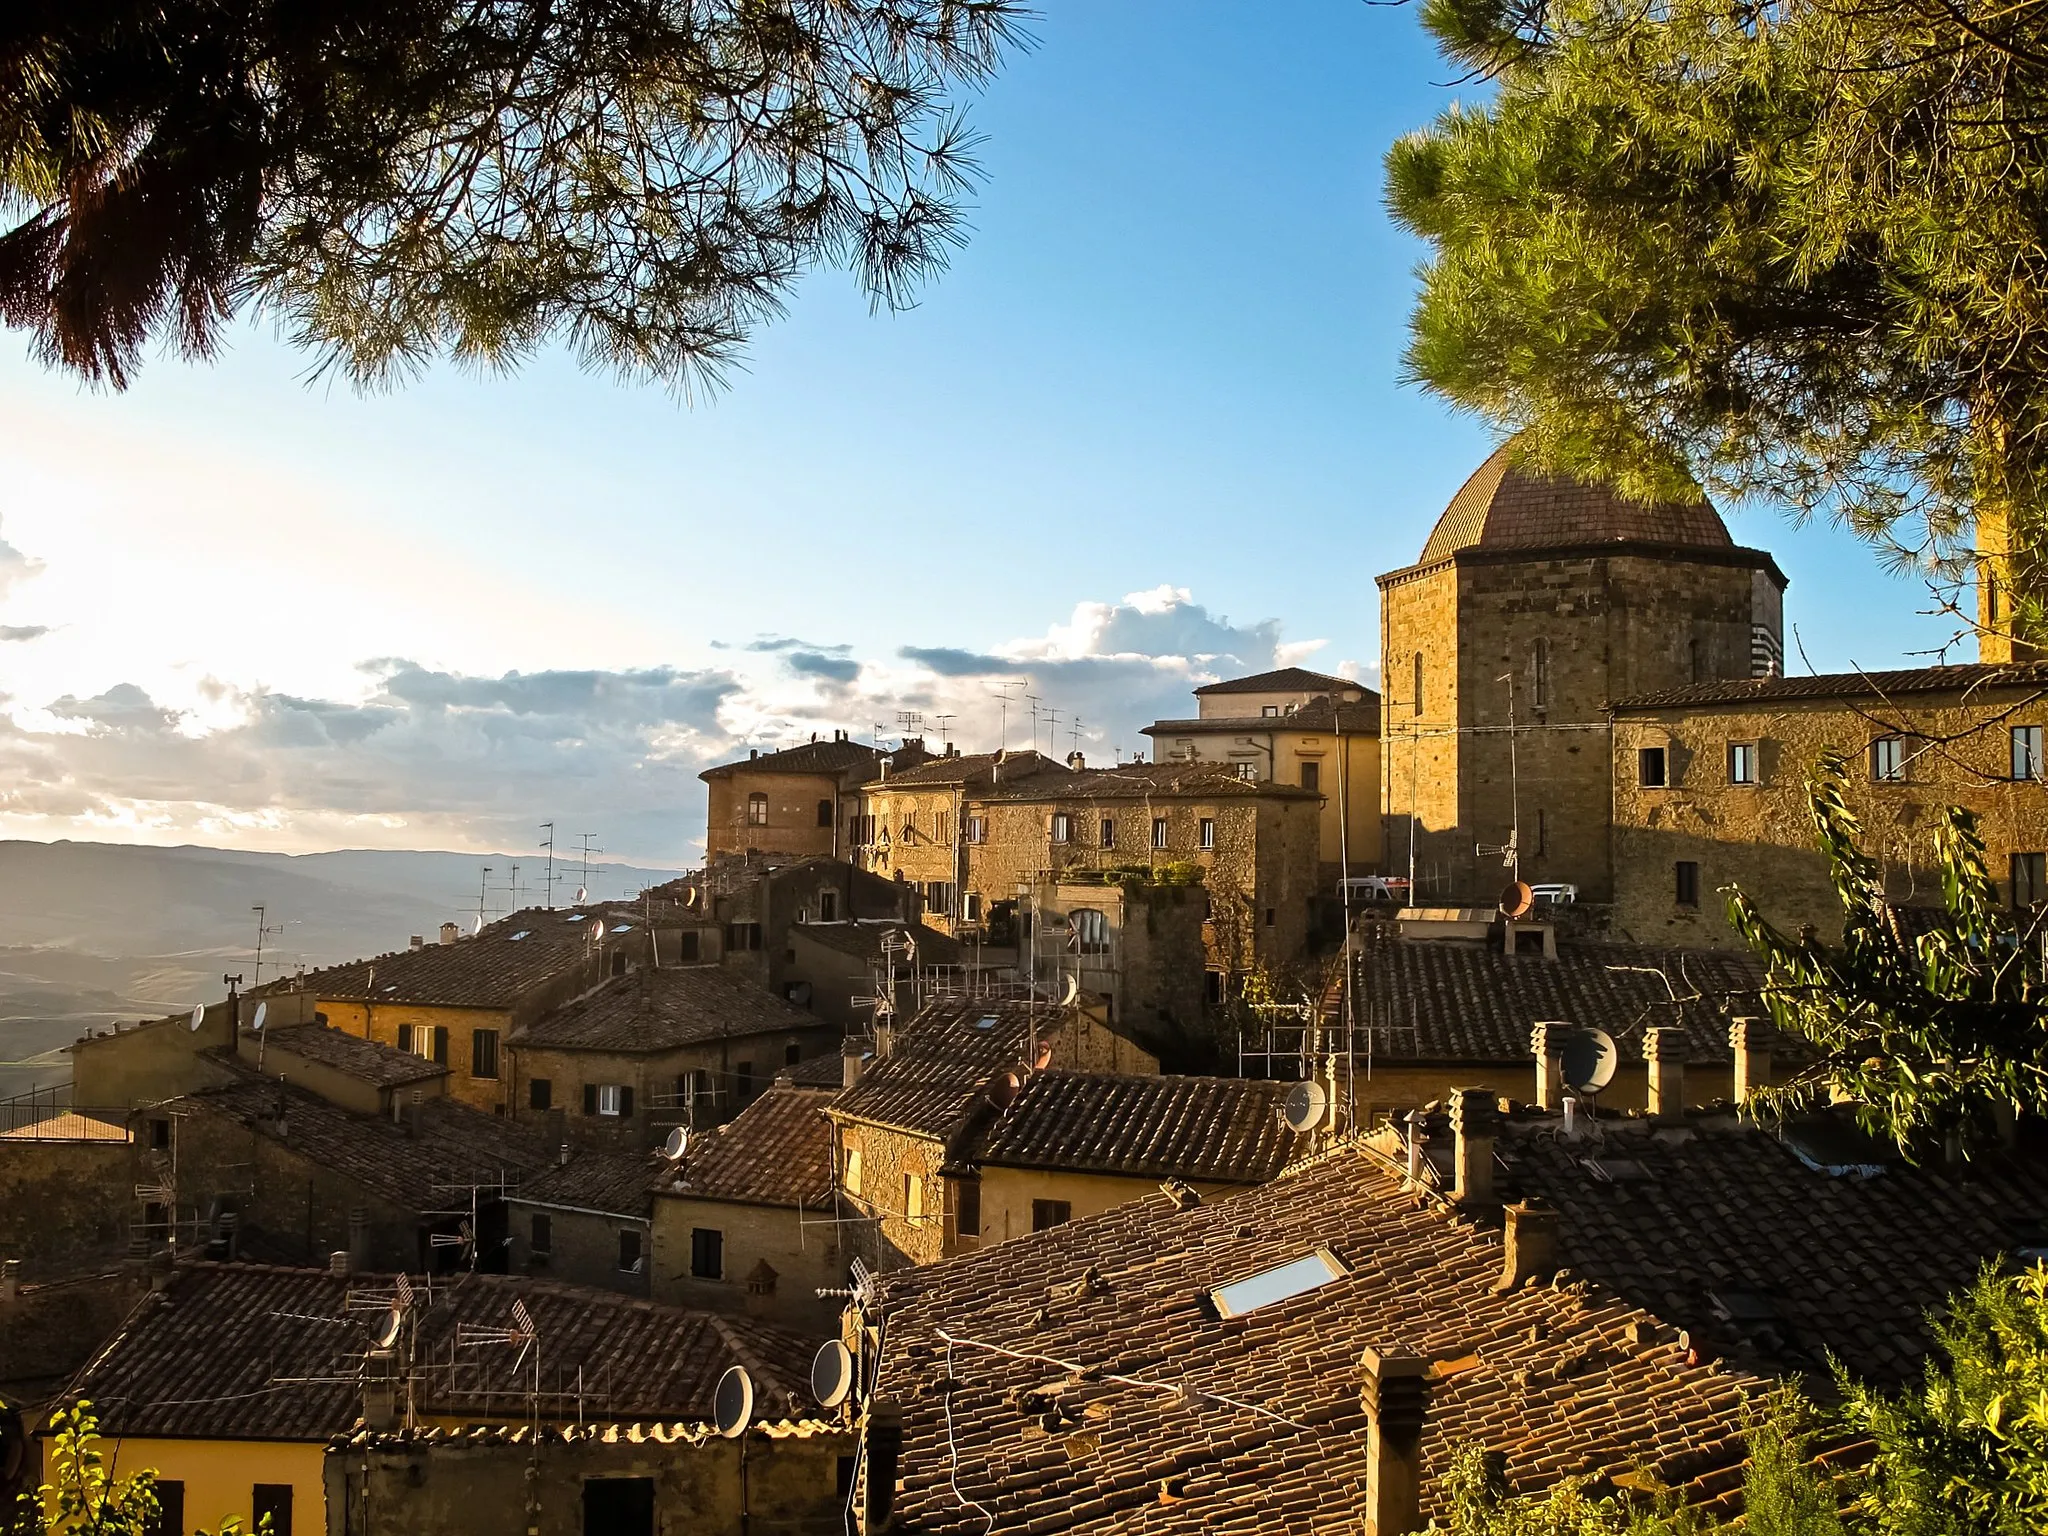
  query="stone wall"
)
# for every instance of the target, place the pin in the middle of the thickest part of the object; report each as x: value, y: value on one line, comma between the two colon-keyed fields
x: 1759, y: 836
x: 793, y: 820
x: 805, y: 1256
x: 66, y: 1205
x: 892, y: 1240
x: 583, y: 1247
x: 701, y: 1485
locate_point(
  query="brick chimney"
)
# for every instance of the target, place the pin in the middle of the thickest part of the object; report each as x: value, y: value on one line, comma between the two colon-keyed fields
x: 1546, y: 1039
x: 851, y: 1059
x: 449, y: 933
x: 1664, y: 1054
x: 1747, y: 1038
x: 1529, y: 1244
x: 1394, y: 1395
x: 1474, y: 1112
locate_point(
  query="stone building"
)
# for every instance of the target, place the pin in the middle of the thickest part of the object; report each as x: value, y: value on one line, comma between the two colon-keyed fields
x: 1709, y: 791
x: 683, y: 1045
x: 796, y: 801
x: 1296, y: 727
x: 746, y: 1220
x: 584, y: 1221
x: 1552, y: 598
x: 919, y: 826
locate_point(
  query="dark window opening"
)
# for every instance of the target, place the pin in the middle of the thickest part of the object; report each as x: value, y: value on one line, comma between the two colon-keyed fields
x: 543, y: 1234
x: 1651, y: 767
x: 1109, y: 831
x: 824, y: 813
x: 1270, y: 915
x: 540, y: 1093
x: 792, y: 1053
x: 1539, y: 674
x: 618, y: 962
x: 405, y: 1037
x: 273, y: 1500
x: 629, y: 1251
x: 160, y: 1135
x: 169, y: 1519
x: 483, y: 1053
x: 618, y: 1506
x: 1688, y: 883
x: 1416, y: 698
x: 707, y: 1253
x: 2029, y: 878
x: 1212, y: 986
x: 967, y: 1208
x: 1050, y: 1213
x: 1312, y: 776
x: 440, y: 1045
x: 828, y: 906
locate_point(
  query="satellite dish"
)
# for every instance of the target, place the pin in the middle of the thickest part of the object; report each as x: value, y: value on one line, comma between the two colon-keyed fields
x: 582, y: 894
x: 262, y: 1012
x: 677, y: 1144
x: 832, y: 1374
x: 691, y: 896
x: 1589, y: 1059
x: 732, y: 1407
x: 198, y: 1018
x: 1306, y: 1104
x: 1070, y: 991
x: 1002, y: 1089
x: 387, y: 1331
x: 476, y: 924
x: 598, y: 931
x: 1516, y: 899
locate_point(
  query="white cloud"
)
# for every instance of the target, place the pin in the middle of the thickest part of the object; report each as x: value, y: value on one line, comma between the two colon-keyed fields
x: 15, y: 568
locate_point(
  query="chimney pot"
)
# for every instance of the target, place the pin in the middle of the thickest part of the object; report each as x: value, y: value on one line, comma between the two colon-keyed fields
x: 1751, y: 1043
x: 1395, y: 1396
x: 1664, y: 1051
x: 1076, y: 761
x: 449, y: 932
x: 1529, y: 1244
x: 419, y: 941
x: 10, y: 1279
x: 1474, y: 1112
x: 851, y: 1060
x: 1547, y: 1039
x: 337, y: 1263
x: 359, y: 1240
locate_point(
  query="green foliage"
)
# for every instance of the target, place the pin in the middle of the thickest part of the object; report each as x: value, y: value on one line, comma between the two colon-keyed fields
x: 1790, y: 248
x: 87, y: 1497
x: 1924, y: 1033
x: 393, y: 179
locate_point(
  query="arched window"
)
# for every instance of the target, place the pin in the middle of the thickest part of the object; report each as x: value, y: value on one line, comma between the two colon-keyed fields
x: 757, y: 810
x: 824, y: 813
x: 1417, y: 701
x: 1091, y: 931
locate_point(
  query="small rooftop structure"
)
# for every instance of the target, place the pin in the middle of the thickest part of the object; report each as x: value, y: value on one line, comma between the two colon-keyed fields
x: 1204, y: 1129
x: 499, y: 968
x: 776, y: 1151
x: 1285, y: 680
x: 379, y: 1066
x: 661, y: 1010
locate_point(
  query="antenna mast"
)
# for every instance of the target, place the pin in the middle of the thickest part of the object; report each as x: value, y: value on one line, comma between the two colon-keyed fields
x: 483, y: 887
x: 583, y: 869
x: 1002, y: 692
x: 944, y: 723
x: 548, y: 844
x: 262, y: 933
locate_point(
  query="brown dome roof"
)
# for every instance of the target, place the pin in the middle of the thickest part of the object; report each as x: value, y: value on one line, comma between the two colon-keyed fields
x: 1504, y: 506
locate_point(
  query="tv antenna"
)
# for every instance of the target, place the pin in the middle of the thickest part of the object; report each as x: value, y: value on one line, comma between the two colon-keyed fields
x: 483, y: 887
x: 1002, y: 693
x: 944, y: 724
x: 1032, y: 700
x: 262, y: 933
x: 1074, y: 734
x: 512, y: 889
x: 909, y: 720
x: 583, y: 867
x: 548, y: 881
x: 1052, y: 730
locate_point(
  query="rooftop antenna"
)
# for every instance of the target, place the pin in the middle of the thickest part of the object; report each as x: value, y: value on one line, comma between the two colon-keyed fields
x: 1032, y: 700
x: 262, y: 933
x: 548, y: 882
x: 944, y: 723
x: 1052, y: 730
x: 1002, y: 693
x: 910, y: 720
x: 512, y: 888
x: 583, y: 868
x: 483, y: 887
x: 1074, y: 734
x: 875, y: 729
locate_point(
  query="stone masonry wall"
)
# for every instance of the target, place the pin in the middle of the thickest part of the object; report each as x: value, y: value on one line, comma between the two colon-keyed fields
x: 805, y: 1257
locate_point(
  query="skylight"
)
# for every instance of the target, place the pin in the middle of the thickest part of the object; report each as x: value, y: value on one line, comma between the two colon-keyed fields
x: 986, y: 1023
x: 621, y: 927
x: 522, y: 933
x: 1298, y: 1277
x: 577, y: 918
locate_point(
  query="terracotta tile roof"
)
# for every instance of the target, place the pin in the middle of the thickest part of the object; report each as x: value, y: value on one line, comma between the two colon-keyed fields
x: 816, y: 1072
x: 862, y: 939
x: 1316, y: 715
x: 967, y: 771
x: 1731, y: 1233
x: 829, y: 758
x: 1283, y: 680
x: 1254, y: 1424
x: 776, y: 1151
x: 614, y: 1183
x: 1504, y: 506
x: 1195, y: 1128
x: 210, y: 1357
x: 661, y: 1010
x: 365, y: 1060
x: 936, y: 1077
x: 1975, y: 677
x: 1141, y: 781
x: 1433, y: 1000
x: 454, y: 1145
x: 498, y: 968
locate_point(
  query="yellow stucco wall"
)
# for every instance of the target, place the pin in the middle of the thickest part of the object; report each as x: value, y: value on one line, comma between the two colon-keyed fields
x: 1007, y: 1194
x: 220, y: 1476
x: 380, y: 1022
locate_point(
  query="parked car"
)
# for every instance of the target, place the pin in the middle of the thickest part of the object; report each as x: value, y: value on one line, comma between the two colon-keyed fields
x: 1557, y: 892
x: 1374, y: 888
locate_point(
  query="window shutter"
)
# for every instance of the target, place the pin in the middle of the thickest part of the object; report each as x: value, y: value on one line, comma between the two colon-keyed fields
x: 590, y: 1098
x: 405, y: 1037
x: 440, y: 1045
x: 626, y: 1101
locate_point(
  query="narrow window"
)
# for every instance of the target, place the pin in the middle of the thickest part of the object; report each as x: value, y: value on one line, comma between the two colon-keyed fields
x: 692, y: 947
x: 160, y: 1135
x: 707, y: 1253
x: 1271, y: 913
x: 849, y: 1162
x: 1312, y: 776
x: 1539, y: 673
x: 824, y: 813
x: 792, y: 1053
x: 271, y: 1502
x: 2026, y: 751
x: 1888, y: 759
x: 611, y: 1099
x: 913, y: 1198
x: 440, y: 1033
x: 1542, y: 833
x: 540, y: 1093
x: 1741, y: 762
x: 757, y: 810
x: 1416, y: 697
x: 1208, y: 832
x: 483, y: 1052
x: 1050, y: 1213
x: 967, y: 1208
x: 1062, y: 828
x: 1688, y: 883
x: 629, y: 1251
x: 1109, y: 831
x: 1212, y: 986
x: 1158, y: 831
x: 970, y: 907
x: 977, y: 829
x: 2029, y: 878
x: 828, y: 906
x: 743, y: 1083
x: 1650, y: 767
x: 543, y: 1242
x: 942, y: 826
x: 169, y: 1519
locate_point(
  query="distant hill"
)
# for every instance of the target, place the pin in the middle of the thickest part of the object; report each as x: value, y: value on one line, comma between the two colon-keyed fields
x: 92, y: 932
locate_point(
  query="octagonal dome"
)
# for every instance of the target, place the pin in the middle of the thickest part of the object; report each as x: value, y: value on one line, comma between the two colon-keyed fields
x: 1505, y: 506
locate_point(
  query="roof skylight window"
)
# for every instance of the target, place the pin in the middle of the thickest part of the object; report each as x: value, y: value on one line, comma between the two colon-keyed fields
x: 988, y: 1022
x: 576, y: 917
x: 1298, y: 1277
x: 522, y: 933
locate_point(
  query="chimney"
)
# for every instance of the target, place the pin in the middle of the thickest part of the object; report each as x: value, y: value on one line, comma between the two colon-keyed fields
x: 337, y: 1263
x: 1664, y: 1052
x: 883, y: 1432
x: 419, y: 941
x: 359, y: 1240
x: 1752, y: 1057
x: 10, y: 1280
x: 1394, y: 1395
x: 1529, y: 1245
x: 885, y: 1040
x: 850, y: 1061
x: 752, y: 753
x: 1076, y: 761
x: 883, y: 764
x: 1473, y: 1112
x: 449, y: 933
x: 411, y: 1121
x: 1546, y: 1039
x: 380, y: 1391
x: 562, y: 1155
x: 230, y: 1228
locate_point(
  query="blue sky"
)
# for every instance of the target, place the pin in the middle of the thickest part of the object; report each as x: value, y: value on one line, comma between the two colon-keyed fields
x: 1167, y: 366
